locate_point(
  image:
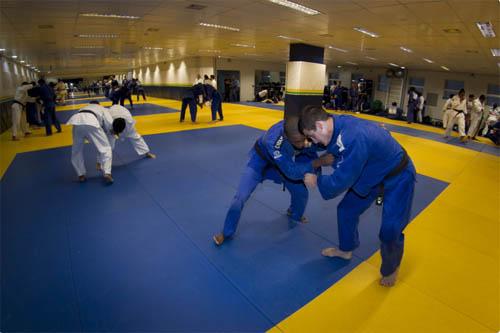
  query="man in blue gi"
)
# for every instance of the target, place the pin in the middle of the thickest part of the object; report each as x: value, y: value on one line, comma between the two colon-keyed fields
x: 212, y: 95
x: 279, y: 155
x: 366, y: 157
x: 189, y: 99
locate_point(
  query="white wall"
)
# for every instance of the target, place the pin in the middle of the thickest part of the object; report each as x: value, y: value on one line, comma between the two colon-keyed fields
x: 247, y: 70
x: 181, y: 72
x: 11, y: 76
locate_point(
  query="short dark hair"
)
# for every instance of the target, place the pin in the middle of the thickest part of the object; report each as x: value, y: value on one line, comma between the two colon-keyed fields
x: 461, y: 91
x: 94, y: 102
x: 394, y: 104
x: 482, y: 98
x: 119, y: 125
x: 309, y: 115
x: 41, y: 81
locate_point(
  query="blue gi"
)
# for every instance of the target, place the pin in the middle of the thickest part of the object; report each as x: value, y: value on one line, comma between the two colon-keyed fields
x: 276, y: 164
x: 366, y: 157
x: 189, y: 100
x: 412, y: 106
x: 48, y: 97
x: 214, y: 96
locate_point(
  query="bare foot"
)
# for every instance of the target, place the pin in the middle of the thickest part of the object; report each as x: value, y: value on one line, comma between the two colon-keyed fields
x: 389, y: 280
x: 150, y: 155
x: 333, y: 252
x: 98, y: 166
x: 218, y: 239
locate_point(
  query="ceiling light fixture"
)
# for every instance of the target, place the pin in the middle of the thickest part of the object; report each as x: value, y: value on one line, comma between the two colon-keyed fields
x: 2, y: 50
x: 445, y: 68
x: 22, y: 61
x: 217, y: 26
x: 153, y: 48
x: 486, y: 29
x: 89, y: 47
x: 428, y: 60
x: 128, y: 17
x: 394, y: 65
x: 406, y: 49
x: 295, y: 6
x: 371, y: 58
x: 366, y: 32
x: 244, y: 45
x: 338, y: 66
x: 351, y: 63
x: 212, y: 51
x: 337, y: 49
x: 495, y: 52
x: 14, y: 57
x: 97, y: 36
x: 286, y: 37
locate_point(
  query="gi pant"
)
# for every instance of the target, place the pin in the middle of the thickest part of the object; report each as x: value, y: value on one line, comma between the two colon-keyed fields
x: 475, y: 121
x: 458, y: 117
x: 97, y: 137
x: 249, y: 181
x: 19, y: 123
x: 217, y: 106
x: 398, y: 197
x: 192, y: 108
x: 49, y: 117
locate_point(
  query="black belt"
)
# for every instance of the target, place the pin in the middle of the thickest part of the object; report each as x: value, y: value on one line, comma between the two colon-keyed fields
x: 17, y: 102
x: 88, y: 111
x: 401, y: 166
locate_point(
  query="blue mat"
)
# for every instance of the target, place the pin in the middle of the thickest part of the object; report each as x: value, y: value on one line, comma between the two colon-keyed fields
x: 71, y: 101
x: 138, y: 110
x: 477, y: 146
x: 138, y: 255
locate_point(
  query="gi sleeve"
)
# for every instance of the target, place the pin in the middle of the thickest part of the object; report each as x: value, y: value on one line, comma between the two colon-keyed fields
x: 348, y: 167
x: 282, y: 155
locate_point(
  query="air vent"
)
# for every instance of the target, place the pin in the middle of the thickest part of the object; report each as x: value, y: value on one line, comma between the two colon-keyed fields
x: 196, y: 7
x: 471, y: 51
x: 152, y: 29
x: 45, y: 26
x: 326, y: 35
x: 452, y: 31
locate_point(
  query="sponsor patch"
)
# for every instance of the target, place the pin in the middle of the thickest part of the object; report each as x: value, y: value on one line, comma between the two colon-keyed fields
x: 277, y: 154
x: 279, y: 142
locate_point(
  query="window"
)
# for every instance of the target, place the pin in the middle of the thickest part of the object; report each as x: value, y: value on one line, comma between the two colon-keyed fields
x: 357, y: 76
x: 452, y: 87
x: 333, y: 77
x: 282, y: 77
x: 383, y: 83
x: 493, y: 94
x: 418, y: 83
x: 431, y: 99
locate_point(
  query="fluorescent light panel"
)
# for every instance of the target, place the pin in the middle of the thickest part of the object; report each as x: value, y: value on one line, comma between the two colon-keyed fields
x: 153, y: 48
x: 14, y: 57
x: 295, y: 6
x: 244, y: 45
x: 2, y: 50
x: 351, y: 63
x: 337, y: 49
x: 445, y: 68
x: 495, y: 52
x: 428, y: 60
x: 213, y: 51
x: 393, y: 64
x: 217, y: 26
x: 406, y: 49
x: 22, y: 61
x: 286, y: 37
x: 371, y: 58
x: 128, y: 17
x: 98, y: 35
x: 486, y: 29
x: 366, y: 32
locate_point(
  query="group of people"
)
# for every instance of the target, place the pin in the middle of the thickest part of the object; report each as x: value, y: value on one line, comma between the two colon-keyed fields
x: 339, y: 97
x: 101, y: 127
x: 367, y: 161
x: 203, y: 92
x: 472, y: 116
x: 34, y: 105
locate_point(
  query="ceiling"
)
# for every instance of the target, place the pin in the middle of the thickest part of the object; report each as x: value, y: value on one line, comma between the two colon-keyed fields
x: 45, y: 33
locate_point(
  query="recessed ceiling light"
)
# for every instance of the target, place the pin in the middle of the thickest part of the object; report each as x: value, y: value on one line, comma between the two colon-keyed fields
x: 286, y: 37
x: 366, y: 32
x: 244, y: 45
x: 22, y: 61
x: 110, y: 16
x: 403, y: 67
x: 452, y: 31
x: 337, y: 49
x: 445, y: 68
x: 14, y: 57
x: 211, y: 51
x: 338, y: 66
x: 153, y: 48
x: 217, y: 26
x: 406, y: 49
x: 371, y: 58
x: 394, y: 65
x: 428, y: 60
x: 295, y: 6
x: 486, y: 29
x: 89, y: 47
x: 495, y: 52
x: 97, y: 35
x: 351, y: 63
x: 2, y: 50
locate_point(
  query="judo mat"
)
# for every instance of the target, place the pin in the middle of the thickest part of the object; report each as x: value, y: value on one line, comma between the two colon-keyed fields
x: 138, y: 256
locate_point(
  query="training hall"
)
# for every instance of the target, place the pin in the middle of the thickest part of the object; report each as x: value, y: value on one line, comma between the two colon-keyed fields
x: 250, y: 166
